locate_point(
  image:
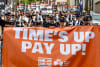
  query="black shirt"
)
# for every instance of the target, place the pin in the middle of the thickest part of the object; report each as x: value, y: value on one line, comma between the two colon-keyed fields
x: 3, y: 23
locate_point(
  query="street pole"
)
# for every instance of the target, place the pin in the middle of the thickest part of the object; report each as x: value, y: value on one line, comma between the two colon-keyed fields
x: 19, y: 1
x: 55, y: 2
x: 35, y: 5
x: 62, y: 5
x: 48, y: 1
x: 75, y: 2
x: 92, y: 5
x: 25, y: 5
x: 19, y: 5
x: 11, y: 5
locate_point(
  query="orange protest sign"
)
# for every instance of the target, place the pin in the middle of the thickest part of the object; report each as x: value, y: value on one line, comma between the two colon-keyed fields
x: 21, y: 4
x: 76, y: 46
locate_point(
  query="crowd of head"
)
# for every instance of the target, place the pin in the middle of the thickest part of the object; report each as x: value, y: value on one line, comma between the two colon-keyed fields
x: 36, y: 19
x: 57, y: 19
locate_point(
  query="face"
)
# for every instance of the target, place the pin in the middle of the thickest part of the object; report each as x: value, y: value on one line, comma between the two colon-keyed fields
x: 85, y: 22
x: 62, y: 13
x: 89, y: 19
x: 47, y: 18
x: 8, y: 17
x: 61, y: 24
x: 57, y: 15
x: 37, y: 13
x: 80, y: 18
x: 12, y: 17
x: 51, y: 21
x: 74, y: 18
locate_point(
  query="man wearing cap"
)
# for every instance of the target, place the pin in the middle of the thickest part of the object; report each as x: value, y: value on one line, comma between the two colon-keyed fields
x: 62, y: 22
x: 88, y: 20
x: 51, y: 22
x: 38, y: 19
x: 12, y: 19
x: 4, y: 23
x: 8, y: 17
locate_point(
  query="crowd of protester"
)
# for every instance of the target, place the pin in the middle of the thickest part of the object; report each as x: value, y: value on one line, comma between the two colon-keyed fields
x: 36, y: 19
x: 57, y: 19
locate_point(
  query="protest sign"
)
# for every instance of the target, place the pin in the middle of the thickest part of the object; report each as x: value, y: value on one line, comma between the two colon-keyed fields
x: 76, y: 46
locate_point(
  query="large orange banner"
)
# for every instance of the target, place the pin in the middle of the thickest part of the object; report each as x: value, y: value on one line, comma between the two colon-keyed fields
x: 77, y: 46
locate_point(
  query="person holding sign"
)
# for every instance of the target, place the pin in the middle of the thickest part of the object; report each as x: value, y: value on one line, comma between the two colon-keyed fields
x: 5, y: 23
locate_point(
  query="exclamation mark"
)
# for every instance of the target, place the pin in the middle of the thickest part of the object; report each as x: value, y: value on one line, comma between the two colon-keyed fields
x: 83, y: 49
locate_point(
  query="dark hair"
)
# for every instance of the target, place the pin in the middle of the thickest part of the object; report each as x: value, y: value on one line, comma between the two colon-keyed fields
x: 8, y: 14
x: 88, y: 18
x: 85, y: 18
x: 62, y: 19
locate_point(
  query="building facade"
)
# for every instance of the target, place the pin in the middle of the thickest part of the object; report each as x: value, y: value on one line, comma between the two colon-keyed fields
x: 93, y: 5
x: 87, y: 4
x: 97, y: 6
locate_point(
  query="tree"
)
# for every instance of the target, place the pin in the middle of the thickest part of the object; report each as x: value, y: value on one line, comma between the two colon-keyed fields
x: 68, y: 1
x: 29, y: 1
